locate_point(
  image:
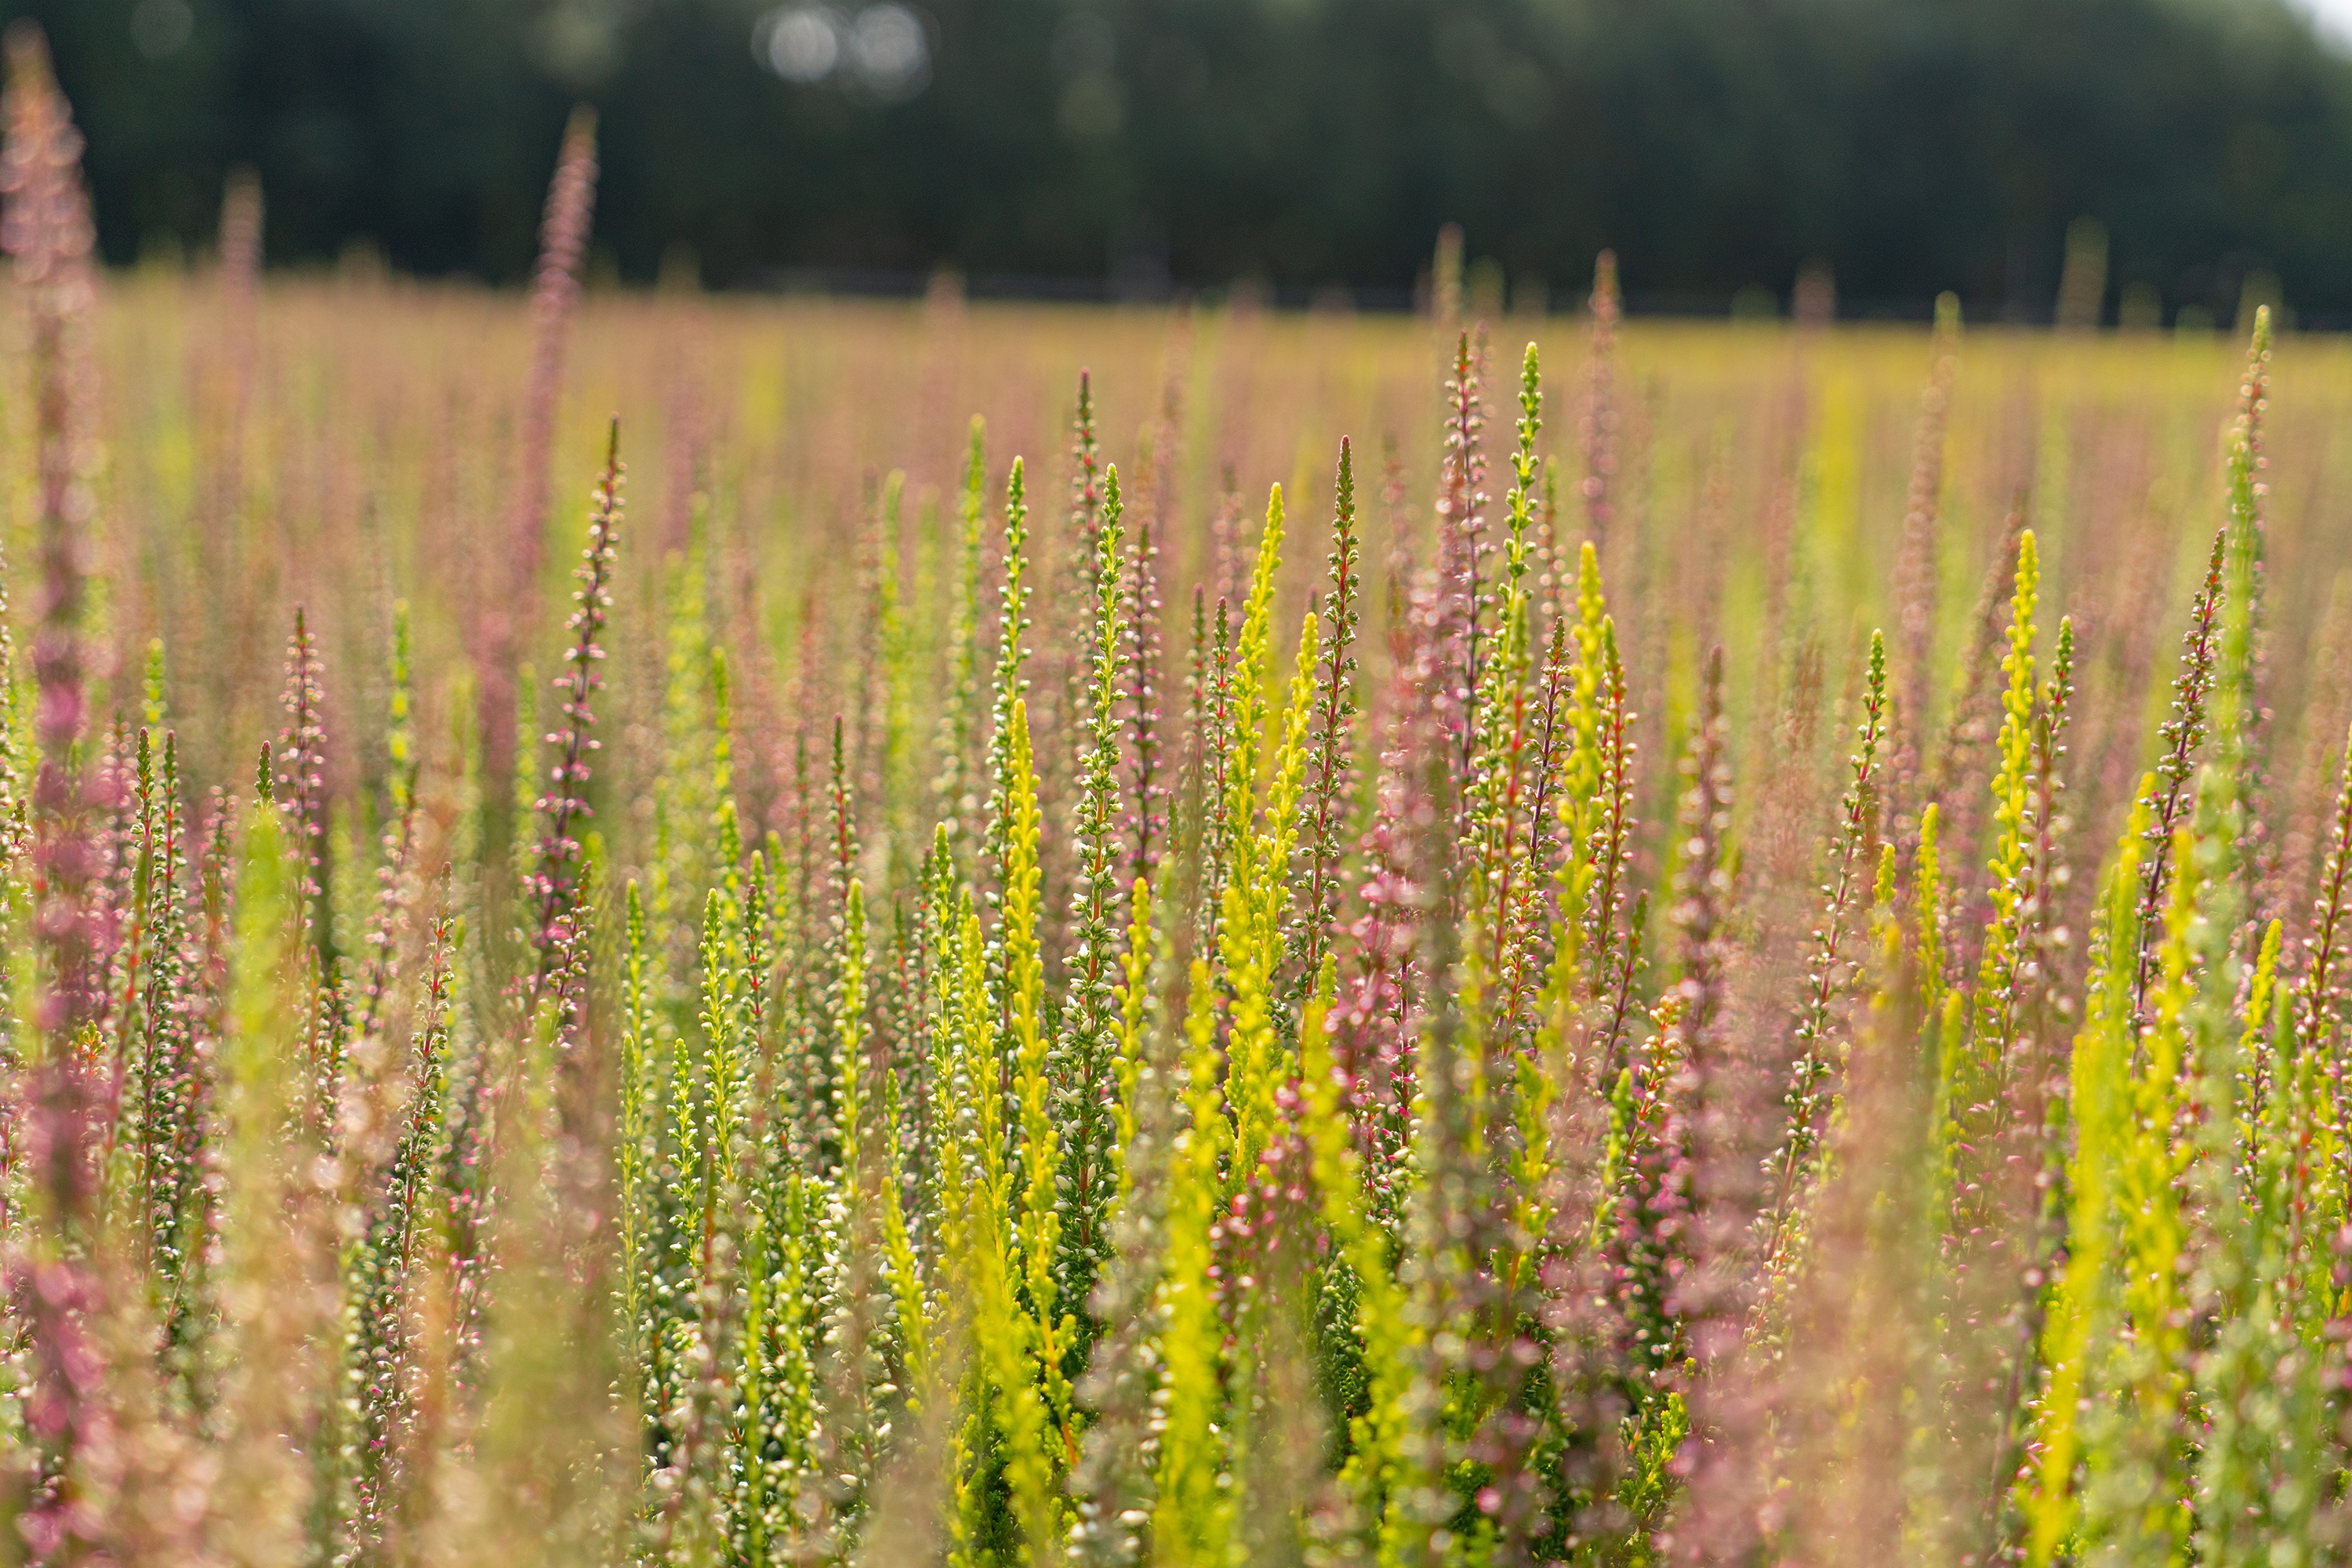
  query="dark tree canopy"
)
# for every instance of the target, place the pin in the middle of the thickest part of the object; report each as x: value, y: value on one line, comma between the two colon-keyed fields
x: 1916, y: 145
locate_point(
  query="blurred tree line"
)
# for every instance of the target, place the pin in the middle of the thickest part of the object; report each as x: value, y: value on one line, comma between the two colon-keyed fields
x: 1916, y: 145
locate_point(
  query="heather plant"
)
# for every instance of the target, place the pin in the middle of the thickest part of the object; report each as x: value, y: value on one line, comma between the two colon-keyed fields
x: 1501, y: 1031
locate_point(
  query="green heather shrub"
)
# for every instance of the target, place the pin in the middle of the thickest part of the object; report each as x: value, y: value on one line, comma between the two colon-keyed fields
x: 1651, y: 1019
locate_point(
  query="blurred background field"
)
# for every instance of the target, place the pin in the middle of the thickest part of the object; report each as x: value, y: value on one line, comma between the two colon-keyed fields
x: 337, y: 442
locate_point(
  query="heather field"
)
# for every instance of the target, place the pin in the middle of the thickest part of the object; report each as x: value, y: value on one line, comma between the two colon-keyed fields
x: 643, y: 928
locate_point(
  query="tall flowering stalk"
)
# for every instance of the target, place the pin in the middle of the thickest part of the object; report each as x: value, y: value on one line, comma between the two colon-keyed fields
x: 1192, y: 1516
x: 2182, y: 733
x: 1512, y: 785
x: 1376, y: 1017
x: 1377, y: 1433
x: 301, y: 784
x: 400, y: 847
x: 2241, y: 749
x: 553, y: 888
x: 1461, y: 550
x: 1036, y: 1217
x: 1087, y: 1090
x: 2151, y: 1376
x: 390, y: 1258
x: 1990, y: 1086
x: 48, y: 236
x: 1832, y: 971
x: 1263, y: 791
x: 1330, y: 766
x: 1686, y: 1243
x: 554, y: 295
x: 46, y: 229
x: 1090, y: 498
x: 2010, y: 873
x: 1592, y: 959
x: 1147, y: 791
x: 165, y: 1102
x: 2084, y: 1302
x: 1012, y: 654
x: 1211, y: 742
x: 1947, y: 782
x: 2316, y: 1011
